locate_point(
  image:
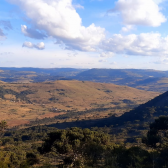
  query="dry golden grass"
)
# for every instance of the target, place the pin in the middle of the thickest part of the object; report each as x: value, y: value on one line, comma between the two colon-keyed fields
x: 10, y: 97
x: 66, y: 95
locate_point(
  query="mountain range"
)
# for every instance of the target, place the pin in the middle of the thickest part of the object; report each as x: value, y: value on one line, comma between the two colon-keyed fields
x: 150, y: 80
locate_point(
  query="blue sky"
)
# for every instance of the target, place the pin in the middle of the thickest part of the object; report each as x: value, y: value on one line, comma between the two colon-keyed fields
x: 84, y: 34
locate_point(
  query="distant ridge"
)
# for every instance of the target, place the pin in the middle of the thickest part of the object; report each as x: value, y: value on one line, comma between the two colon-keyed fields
x: 144, y: 79
x: 32, y: 75
x: 122, y: 73
x: 51, y: 71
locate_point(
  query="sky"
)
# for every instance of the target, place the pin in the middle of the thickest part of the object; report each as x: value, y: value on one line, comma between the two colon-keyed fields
x: 115, y: 34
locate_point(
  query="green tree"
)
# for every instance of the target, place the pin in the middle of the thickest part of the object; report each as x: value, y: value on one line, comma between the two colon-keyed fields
x: 157, y: 136
x: 81, y: 146
x: 157, y: 139
x: 3, y: 126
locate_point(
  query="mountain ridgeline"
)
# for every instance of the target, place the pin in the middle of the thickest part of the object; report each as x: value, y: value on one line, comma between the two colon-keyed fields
x: 144, y: 79
x: 150, y: 80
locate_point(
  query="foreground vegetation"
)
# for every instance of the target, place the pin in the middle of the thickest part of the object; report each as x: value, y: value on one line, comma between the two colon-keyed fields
x: 47, y: 147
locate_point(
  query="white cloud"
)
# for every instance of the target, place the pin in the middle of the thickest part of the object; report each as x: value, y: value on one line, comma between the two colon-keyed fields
x: 145, y: 44
x: 28, y: 44
x: 59, y: 19
x: 140, y: 12
x: 39, y: 46
x: 107, y: 54
x: 127, y: 28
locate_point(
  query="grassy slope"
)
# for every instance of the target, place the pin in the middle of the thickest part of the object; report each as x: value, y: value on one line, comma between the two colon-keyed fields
x: 42, y: 98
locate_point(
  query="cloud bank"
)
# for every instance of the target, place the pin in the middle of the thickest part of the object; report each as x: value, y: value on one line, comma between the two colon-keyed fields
x: 59, y: 19
x: 145, y: 44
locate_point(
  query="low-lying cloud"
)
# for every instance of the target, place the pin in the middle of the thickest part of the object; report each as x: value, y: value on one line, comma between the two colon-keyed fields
x: 39, y: 46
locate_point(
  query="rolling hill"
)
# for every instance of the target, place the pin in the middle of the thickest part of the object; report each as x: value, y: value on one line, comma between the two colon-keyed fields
x: 21, y: 103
